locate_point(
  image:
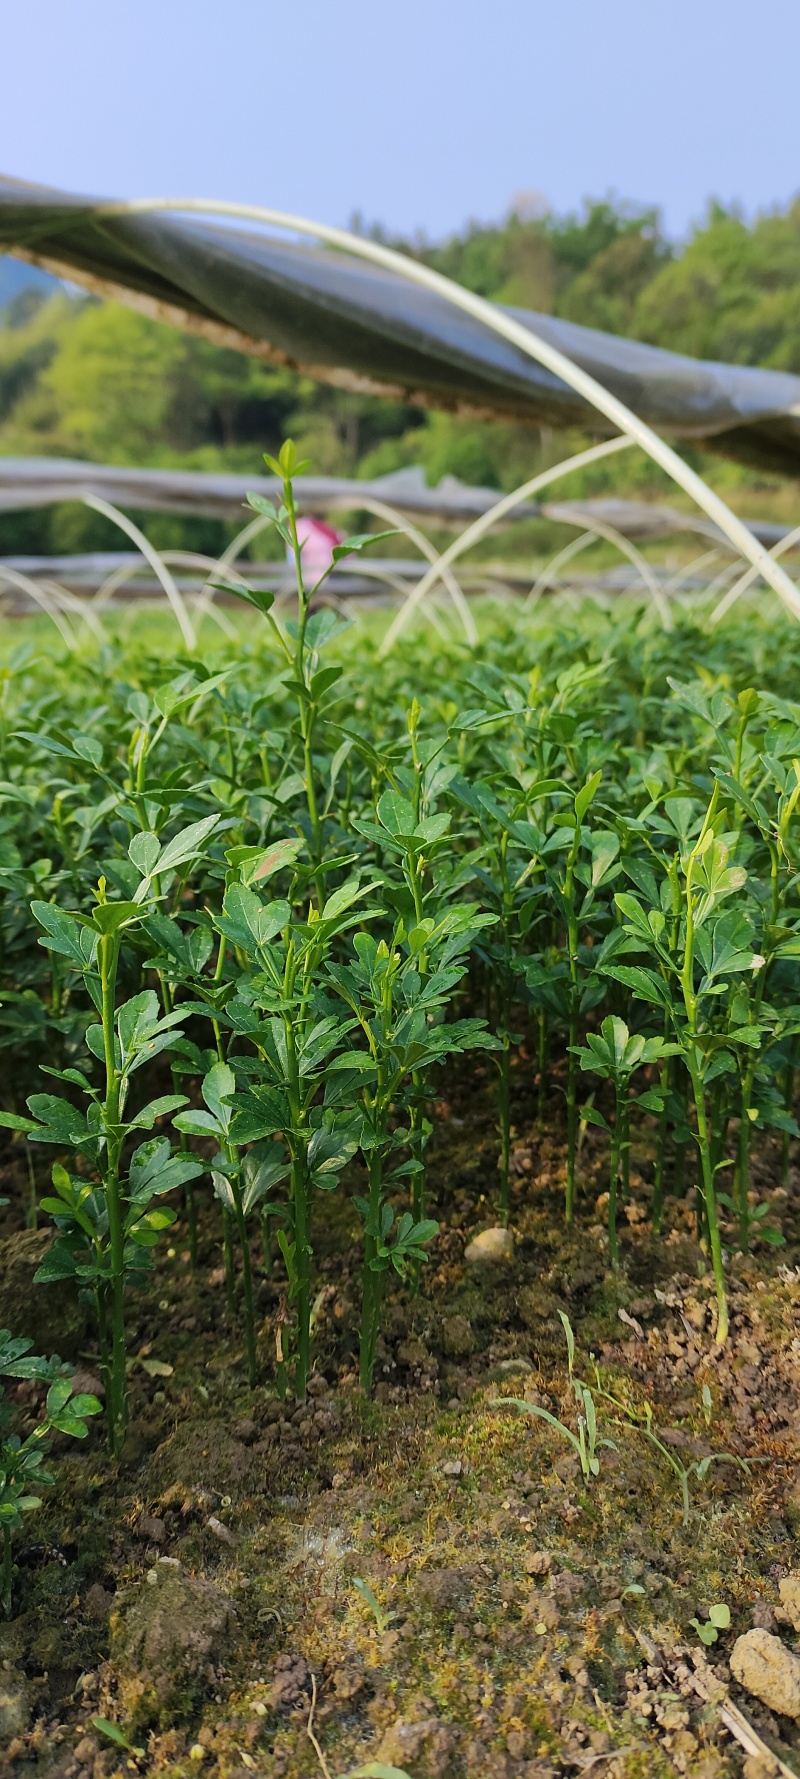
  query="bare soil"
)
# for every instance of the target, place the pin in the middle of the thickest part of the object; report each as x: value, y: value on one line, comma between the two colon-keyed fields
x: 201, y: 1594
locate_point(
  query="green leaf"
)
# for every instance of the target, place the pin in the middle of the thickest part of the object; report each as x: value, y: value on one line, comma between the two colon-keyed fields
x: 108, y: 917
x: 585, y: 796
x: 590, y: 1115
x: 218, y: 1087
x: 106, y: 1728
x: 58, y: 1396
x: 154, y: 1169
x: 344, y: 898
x: 13, y: 1121
x: 64, y: 934
x: 187, y: 844
x: 645, y: 984
x: 255, y: 596
x: 605, y: 847
x: 143, y: 852
x: 59, y: 1123
x: 249, y: 922
x: 359, y: 541
x: 158, y: 1108
x: 276, y: 859
x: 396, y: 814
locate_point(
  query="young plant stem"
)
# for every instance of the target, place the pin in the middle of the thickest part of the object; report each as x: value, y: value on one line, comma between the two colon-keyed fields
x: 227, y: 1256
x: 616, y: 1140
x: 504, y: 1109
x: 267, y: 1252
x: 32, y: 1207
x: 116, y: 1380
x: 541, y: 1092
x: 661, y: 1145
x: 247, y: 1279
x: 417, y: 1104
x: 788, y: 1104
x: 694, y: 1066
x: 574, y: 1000
x: 227, y: 1220
x: 300, y: 1198
x: 306, y: 707
x: 300, y: 1183
x: 373, y: 1277
x: 5, y: 1598
x: 504, y: 1057
x: 742, y: 1175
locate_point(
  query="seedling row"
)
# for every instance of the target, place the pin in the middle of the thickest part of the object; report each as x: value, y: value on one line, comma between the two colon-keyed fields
x: 252, y: 910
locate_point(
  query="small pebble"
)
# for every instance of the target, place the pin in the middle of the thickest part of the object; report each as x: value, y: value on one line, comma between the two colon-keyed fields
x: 491, y: 1245
x: 151, y: 1528
x: 220, y: 1531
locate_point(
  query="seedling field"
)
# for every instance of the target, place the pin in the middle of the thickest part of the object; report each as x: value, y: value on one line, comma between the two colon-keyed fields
x: 400, y: 1064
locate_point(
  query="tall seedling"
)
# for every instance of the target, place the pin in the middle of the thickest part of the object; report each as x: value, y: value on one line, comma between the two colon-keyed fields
x: 399, y: 1010
x: 420, y: 845
x: 615, y: 1054
x: 108, y: 1225
x: 280, y: 1005
x: 300, y: 641
x: 502, y: 864
x: 689, y: 980
x: 567, y: 885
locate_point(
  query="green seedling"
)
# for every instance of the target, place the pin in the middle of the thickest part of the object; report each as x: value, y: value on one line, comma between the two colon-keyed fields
x: 22, y: 1461
x: 641, y: 1420
x: 586, y: 1441
x: 615, y: 1054
x: 719, y: 1619
x: 292, y: 1090
x: 113, y: 1733
x: 398, y: 1011
x: 108, y: 1226
x: 382, y: 1619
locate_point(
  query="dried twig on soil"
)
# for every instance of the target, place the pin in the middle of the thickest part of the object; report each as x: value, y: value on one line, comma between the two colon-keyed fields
x: 310, y: 1730
x: 702, y: 1680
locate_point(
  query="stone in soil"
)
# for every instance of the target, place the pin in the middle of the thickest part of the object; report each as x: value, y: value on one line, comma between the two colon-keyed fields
x: 768, y: 1670
x: 458, y: 1340
x: 165, y: 1634
x: 492, y: 1245
x: 429, y: 1744
x: 789, y: 1590
x: 15, y: 1711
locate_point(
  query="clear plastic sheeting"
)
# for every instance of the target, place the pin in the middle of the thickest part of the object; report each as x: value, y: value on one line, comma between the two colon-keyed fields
x: 365, y: 328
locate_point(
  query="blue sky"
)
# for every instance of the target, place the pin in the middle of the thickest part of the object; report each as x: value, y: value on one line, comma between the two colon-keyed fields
x: 420, y: 115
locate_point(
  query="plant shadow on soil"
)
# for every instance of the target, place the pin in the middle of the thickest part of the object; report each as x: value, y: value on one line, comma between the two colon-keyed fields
x: 200, y: 1591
